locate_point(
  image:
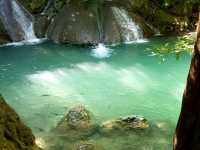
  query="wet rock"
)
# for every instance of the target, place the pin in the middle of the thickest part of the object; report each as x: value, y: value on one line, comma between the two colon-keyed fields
x: 34, y: 6
x: 74, y: 24
x: 126, y: 123
x: 76, y: 124
x: 112, y: 32
x: 14, y: 135
x: 41, y: 23
x: 83, y: 26
x: 148, y: 29
x: 78, y: 118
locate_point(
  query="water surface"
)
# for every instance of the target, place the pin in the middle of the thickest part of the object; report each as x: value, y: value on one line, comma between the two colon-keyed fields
x: 41, y: 82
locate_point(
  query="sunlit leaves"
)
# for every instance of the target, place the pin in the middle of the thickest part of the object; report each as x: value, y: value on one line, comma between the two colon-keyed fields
x: 182, y: 44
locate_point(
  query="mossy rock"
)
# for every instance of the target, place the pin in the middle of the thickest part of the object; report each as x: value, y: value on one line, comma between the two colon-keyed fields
x: 77, y: 124
x: 14, y: 135
x: 34, y: 6
x: 126, y: 123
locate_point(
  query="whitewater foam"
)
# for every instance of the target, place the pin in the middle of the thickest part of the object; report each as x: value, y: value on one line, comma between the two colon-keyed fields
x: 101, y: 51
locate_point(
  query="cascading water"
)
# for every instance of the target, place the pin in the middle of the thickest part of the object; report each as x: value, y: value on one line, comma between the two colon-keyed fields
x: 17, y: 21
x: 25, y: 22
x: 130, y: 30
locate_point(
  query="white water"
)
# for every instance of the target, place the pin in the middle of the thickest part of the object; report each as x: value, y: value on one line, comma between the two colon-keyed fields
x: 101, y: 51
x: 25, y: 42
x: 131, y: 32
x: 25, y: 23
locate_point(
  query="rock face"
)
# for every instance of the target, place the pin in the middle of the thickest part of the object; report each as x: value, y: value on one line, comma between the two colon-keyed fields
x: 111, y: 30
x: 87, y: 146
x: 4, y: 38
x: 74, y: 24
x: 126, y: 123
x: 78, y: 23
x: 93, y: 21
x: 14, y: 135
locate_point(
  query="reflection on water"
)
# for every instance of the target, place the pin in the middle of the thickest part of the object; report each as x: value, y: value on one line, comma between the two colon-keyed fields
x: 43, y: 81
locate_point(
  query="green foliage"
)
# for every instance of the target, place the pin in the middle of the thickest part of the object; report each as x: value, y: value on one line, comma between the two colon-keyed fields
x: 182, y: 44
x: 36, y: 5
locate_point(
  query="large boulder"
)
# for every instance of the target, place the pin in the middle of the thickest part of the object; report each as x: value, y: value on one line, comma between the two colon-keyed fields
x: 78, y: 23
x: 74, y: 24
x: 14, y: 135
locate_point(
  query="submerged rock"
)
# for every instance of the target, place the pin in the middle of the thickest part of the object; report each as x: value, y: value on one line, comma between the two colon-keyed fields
x: 14, y: 135
x: 126, y: 123
x: 87, y: 146
x: 76, y: 124
x: 78, y: 118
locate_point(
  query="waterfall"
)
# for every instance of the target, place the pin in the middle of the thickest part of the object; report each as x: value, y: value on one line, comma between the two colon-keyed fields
x: 17, y: 20
x: 25, y: 22
x: 130, y: 30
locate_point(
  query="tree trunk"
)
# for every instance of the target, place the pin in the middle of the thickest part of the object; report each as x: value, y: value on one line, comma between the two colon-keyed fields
x: 187, y: 134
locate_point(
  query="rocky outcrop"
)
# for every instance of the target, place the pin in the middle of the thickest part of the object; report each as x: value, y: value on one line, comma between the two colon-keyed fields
x: 126, y: 123
x: 92, y: 22
x: 78, y: 127
x: 76, y: 124
x: 14, y: 135
x: 77, y: 23
x: 74, y: 24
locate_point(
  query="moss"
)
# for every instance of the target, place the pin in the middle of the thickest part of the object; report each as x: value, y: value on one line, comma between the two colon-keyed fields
x: 14, y: 135
x: 34, y: 6
x: 37, y: 5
